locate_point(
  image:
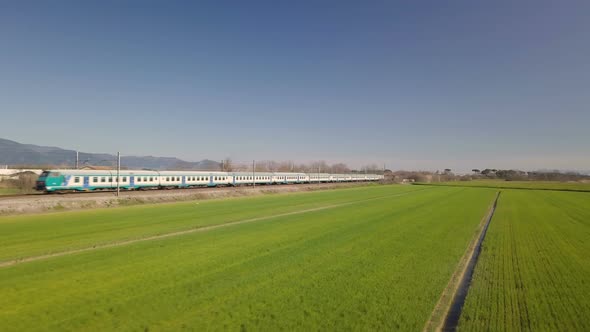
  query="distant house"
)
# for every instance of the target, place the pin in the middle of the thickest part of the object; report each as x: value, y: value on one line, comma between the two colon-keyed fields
x: 13, y: 174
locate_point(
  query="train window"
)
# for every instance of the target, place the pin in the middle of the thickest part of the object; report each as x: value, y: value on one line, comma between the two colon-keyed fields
x: 110, y: 179
x: 103, y: 179
x: 77, y: 179
x: 139, y: 179
x: 95, y: 179
x: 124, y: 179
x: 167, y: 178
x: 151, y: 179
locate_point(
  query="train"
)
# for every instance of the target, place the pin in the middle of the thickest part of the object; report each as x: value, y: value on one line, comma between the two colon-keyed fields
x: 95, y: 180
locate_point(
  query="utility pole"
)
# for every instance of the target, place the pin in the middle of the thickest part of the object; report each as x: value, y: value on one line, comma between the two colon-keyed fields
x: 319, y: 170
x: 118, y: 170
x: 253, y: 173
x: 77, y: 155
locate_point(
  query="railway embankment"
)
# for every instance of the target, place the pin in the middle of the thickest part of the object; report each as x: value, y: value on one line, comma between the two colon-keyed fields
x: 43, y: 203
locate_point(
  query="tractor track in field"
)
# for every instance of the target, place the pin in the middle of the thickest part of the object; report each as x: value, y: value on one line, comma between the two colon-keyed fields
x: 447, y: 311
x: 14, y: 262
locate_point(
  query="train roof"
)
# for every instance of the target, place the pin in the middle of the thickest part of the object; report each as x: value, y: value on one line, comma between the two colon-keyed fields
x: 97, y: 172
x: 193, y: 173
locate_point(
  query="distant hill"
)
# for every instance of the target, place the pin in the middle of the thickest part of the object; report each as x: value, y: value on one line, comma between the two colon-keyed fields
x: 14, y: 153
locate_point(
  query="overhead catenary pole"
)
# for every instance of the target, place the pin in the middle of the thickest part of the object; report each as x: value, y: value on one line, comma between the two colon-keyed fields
x: 319, y: 170
x: 77, y: 158
x: 253, y: 173
x: 118, y: 170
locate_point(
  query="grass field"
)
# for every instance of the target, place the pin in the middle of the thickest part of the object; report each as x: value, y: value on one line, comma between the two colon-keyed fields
x: 8, y: 191
x: 501, y: 184
x: 373, y: 258
x: 534, y: 269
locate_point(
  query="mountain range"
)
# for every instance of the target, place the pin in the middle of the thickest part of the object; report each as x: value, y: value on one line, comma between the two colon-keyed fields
x: 13, y: 153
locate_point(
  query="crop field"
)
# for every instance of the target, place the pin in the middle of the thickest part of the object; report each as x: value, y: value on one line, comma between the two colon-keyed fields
x: 534, y: 269
x: 536, y: 185
x: 8, y: 191
x: 371, y: 258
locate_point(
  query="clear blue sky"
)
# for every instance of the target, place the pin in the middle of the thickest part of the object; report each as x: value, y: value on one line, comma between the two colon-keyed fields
x: 413, y: 84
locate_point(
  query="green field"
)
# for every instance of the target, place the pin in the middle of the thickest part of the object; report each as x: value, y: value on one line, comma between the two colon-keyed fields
x: 366, y: 258
x: 501, y: 184
x: 534, y: 269
x: 8, y: 191
x: 374, y: 258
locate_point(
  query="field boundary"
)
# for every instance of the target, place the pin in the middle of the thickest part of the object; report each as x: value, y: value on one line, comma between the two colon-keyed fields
x: 13, y: 262
x: 447, y: 310
x: 501, y: 187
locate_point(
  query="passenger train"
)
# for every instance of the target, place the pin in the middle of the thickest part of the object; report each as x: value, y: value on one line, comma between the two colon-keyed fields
x: 94, y: 180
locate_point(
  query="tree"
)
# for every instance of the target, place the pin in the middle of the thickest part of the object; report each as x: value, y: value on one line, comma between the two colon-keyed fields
x: 227, y: 165
x: 475, y: 170
x: 340, y: 168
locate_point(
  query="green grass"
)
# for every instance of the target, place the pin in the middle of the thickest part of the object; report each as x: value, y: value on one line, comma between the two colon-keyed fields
x: 534, y: 269
x: 536, y: 185
x: 9, y: 191
x: 29, y: 235
x: 376, y: 264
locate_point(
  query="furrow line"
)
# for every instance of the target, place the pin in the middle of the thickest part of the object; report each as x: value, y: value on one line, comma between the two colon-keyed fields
x: 447, y: 310
x: 188, y: 231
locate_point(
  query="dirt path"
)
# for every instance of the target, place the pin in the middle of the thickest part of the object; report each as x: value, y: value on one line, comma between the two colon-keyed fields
x: 447, y: 310
x: 189, y: 231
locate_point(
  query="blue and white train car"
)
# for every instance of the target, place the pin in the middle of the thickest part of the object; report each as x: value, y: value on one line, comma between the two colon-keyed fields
x: 249, y: 178
x: 89, y: 180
